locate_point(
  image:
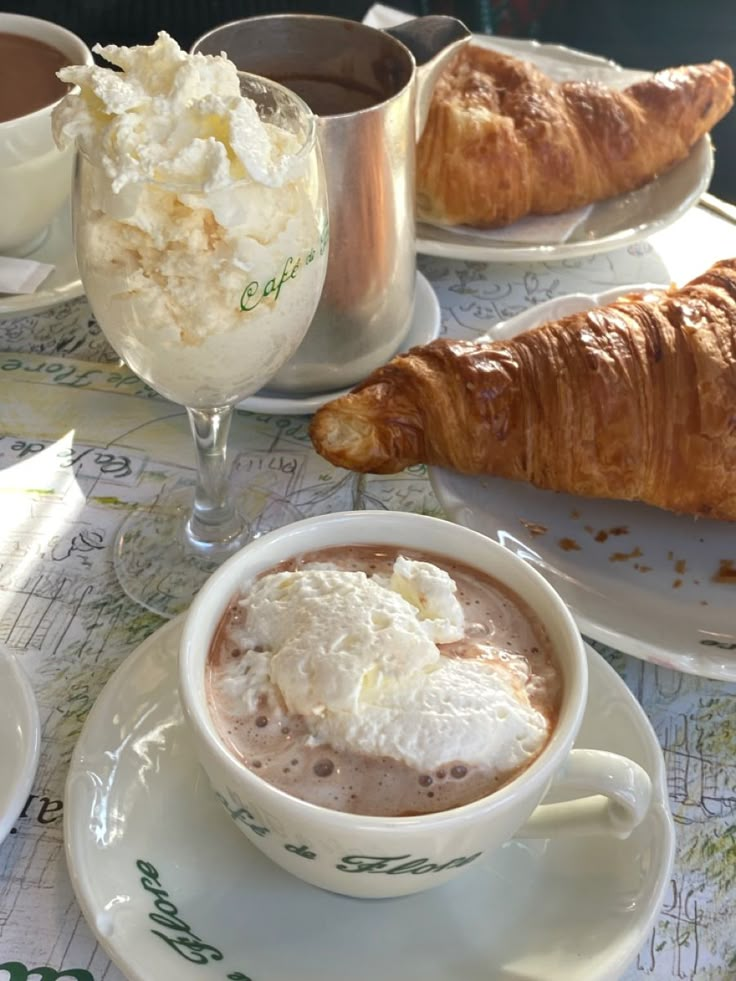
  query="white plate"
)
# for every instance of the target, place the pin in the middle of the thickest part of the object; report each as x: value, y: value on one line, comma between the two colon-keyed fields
x: 611, y: 224
x: 661, y: 603
x: 63, y: 283
x: 575, y: 911
x: 425, y: 326
x: 20, y: 741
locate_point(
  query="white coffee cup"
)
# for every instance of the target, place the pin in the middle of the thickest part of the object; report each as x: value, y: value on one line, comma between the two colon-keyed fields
x: 392, y: 856
x: 35, y: 177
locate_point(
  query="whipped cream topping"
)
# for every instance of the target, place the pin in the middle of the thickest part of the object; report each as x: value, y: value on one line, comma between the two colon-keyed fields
x: 358, y: 658
x: 201, y: 233
x: 170, y: 117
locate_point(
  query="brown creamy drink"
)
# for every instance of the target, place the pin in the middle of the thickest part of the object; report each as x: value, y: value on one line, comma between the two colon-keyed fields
x: 500, y: 656
x: 328, y: 96
x: 28, y: 79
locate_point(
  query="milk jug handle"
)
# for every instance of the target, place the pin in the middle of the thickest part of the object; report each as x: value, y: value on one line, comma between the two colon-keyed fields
x: 433, y: 41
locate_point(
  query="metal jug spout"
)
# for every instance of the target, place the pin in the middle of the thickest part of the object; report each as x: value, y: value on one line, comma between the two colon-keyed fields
x: 433, y: 41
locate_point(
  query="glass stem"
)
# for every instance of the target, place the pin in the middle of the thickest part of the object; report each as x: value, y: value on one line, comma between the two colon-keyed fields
x: 214, y: 525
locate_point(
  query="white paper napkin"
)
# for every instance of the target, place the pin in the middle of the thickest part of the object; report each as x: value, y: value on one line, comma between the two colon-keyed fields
x: 381, y: 16
x: 22, y: 275
x: 534, y: 230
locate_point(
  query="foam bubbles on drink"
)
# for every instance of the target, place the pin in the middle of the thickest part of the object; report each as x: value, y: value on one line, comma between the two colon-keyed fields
x: 500, y: 630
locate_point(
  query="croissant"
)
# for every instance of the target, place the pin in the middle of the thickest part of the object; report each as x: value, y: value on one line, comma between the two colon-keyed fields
x: 633, y: 401
x: 503, y: 140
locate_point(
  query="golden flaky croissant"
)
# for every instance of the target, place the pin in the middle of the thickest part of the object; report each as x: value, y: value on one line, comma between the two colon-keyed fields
x: 635, y: 401
x: 503, y: 140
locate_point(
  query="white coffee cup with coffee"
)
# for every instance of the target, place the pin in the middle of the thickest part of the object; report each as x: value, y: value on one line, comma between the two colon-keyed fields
x: 395, y: 851
x: 35, y: 176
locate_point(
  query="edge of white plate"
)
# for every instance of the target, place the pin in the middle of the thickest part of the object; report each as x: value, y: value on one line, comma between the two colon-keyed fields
x: 702, y: 666
x: 660, y: 804
x: 76, y: 792
x: 532, y: 317
x: 25, y: 702
x: 688, y: 663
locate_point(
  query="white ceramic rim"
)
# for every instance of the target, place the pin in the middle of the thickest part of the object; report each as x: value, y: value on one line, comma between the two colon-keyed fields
x: 206, y: 612
x: 31, y: 25
x: 25, y: 710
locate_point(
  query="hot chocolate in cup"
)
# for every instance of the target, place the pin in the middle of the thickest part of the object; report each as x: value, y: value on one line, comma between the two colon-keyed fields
x: 392, y: 852
x: 35, y: 177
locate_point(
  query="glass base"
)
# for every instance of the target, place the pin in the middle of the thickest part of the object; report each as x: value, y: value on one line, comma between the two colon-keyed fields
x: 158, y: 567
x: 155, y: 562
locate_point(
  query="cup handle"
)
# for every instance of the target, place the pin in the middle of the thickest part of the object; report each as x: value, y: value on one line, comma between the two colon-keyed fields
x: 612, y: 796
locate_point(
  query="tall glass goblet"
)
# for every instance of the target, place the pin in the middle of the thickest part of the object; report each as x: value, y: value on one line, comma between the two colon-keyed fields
x: 205, y: 295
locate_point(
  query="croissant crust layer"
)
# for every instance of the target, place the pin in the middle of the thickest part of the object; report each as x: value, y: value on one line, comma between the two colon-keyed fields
x: 633, y: 401
x: 503, y: 140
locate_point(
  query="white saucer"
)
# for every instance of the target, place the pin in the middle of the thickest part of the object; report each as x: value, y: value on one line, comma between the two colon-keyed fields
x: 563, y: 911
x: 63, y: 283
x: 425, y: 326
x: 20, y: 741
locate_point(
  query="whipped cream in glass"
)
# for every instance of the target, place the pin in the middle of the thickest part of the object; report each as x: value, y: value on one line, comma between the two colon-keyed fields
x: 201, y: 237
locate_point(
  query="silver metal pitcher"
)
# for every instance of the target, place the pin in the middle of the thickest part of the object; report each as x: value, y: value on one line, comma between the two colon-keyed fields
x: 371, y: 92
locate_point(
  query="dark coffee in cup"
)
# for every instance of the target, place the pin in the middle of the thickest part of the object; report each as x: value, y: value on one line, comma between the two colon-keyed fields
x: 28, y: 79
x: 328, y: 95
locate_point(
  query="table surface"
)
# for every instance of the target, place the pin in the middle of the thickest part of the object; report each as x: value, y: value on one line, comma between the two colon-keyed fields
x: 63, y: 614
